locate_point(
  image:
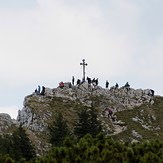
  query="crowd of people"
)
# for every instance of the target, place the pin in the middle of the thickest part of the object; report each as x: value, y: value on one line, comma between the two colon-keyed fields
x: 38, y: 90
x: 94, y: 82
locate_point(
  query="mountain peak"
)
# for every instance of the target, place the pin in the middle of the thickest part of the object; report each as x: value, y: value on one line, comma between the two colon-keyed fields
x: 40, y: 109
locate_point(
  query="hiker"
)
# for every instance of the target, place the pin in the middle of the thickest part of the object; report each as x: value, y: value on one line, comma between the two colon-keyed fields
x: 127, y: 86
x: 116, y: 85
x: 96, y: 81
x: 73, y: 80
x: 39, y: 89
x: 110, y: 112
x: 36, y: 91
x: 89, y: 80
x: 107, y: 84
x: 69, y: 85
x: 93, y: 80
x: 43, y: 91
x: 61, y: 84
x: 78, y: 82
x: 152, y: 92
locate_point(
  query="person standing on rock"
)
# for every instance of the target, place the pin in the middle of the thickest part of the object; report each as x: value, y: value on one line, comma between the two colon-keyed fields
x: 73, y: 80
x: 116, y: 86
x: 43, y: 91
x: 96, y: 81
x: 39, y: 89
x: 127, y: 86
x: 107, y: 84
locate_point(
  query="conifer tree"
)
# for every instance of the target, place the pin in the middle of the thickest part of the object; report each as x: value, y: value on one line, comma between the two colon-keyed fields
x: 22, y: 145
x: 82, y: 127
x: 58, y: 130
x: 6, y: 144
x: 88, y: 123
x: 95, y: 124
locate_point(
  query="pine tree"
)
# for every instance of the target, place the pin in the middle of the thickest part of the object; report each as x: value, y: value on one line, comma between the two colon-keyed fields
x: 6, y: 144
x: 88, y: 123
x: 58, y: 130
x: 82, y: 127
x: 95, y: 124
x: 22, y: 145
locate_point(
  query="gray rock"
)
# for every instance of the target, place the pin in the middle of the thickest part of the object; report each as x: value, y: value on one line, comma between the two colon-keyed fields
x: 135, y: 134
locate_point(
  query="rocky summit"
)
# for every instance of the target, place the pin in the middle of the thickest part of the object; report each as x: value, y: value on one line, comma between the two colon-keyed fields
x: 126, y: 114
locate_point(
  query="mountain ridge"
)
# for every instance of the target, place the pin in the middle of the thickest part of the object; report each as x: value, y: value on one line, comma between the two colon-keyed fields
x: 137, y: 104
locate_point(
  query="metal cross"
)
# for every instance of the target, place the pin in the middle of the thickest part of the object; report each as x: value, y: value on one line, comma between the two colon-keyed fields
x: 83, y: 64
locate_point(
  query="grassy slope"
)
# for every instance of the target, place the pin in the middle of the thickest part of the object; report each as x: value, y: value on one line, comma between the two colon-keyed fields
x: 69, y: 110
x: 144, y: 113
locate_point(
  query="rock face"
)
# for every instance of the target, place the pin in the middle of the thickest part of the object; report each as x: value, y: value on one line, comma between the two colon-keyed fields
x: 119, y: 99
x: 39, y: 110
x: 6, y: 123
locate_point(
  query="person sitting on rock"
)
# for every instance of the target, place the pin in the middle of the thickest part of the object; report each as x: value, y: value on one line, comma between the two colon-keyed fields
x: 94, y: 82
x: 89, y: 80
x: 116, y: 86
x: 36, y: 91
x: 78, y: 82
x: 152, y: 92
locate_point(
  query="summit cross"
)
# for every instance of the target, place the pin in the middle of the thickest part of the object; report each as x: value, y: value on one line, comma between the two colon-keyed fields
x: 83, y: 64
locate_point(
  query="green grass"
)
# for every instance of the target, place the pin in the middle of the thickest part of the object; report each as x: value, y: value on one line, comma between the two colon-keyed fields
x: 148, y: 110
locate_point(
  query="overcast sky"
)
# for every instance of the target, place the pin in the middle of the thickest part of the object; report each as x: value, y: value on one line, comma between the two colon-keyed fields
x: 42, y: 42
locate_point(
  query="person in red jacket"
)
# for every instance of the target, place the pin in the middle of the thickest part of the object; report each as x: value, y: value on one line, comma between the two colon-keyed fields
x: 61, y: 84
